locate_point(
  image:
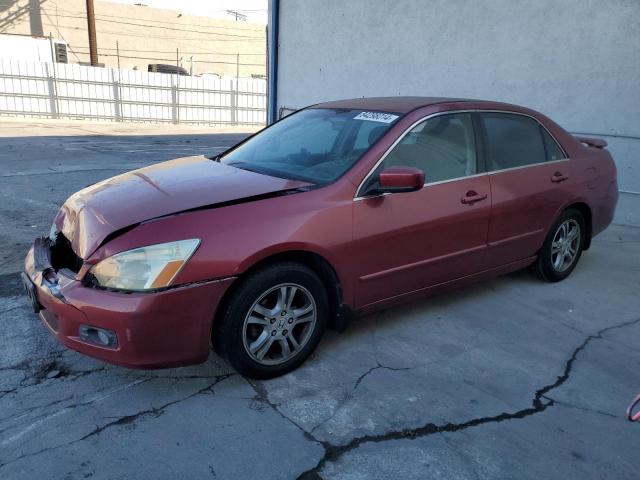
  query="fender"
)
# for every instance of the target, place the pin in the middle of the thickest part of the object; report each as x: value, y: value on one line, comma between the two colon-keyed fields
x: 300, y: 247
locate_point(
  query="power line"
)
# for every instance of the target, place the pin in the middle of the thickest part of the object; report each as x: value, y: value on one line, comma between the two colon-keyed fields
x: 181, y: 29
x: 238, y: 15
x: 58, y: 14
x: 76, y: 14
x: 46, y: 14
x: 221, y: 27
x: 142, y: 35
x: 167, y: 28
x: 173, y: 51
x: 55, y: 12
x: 172, y: 60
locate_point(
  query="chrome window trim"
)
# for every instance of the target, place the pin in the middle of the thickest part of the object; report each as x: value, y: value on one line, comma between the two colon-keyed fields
x: 439, y: 182
x: 492, y: 172
x: 448, y: 112
x: 449, y: 180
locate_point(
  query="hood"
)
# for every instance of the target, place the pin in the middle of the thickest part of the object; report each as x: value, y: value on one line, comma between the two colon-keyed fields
x: 89, y: 216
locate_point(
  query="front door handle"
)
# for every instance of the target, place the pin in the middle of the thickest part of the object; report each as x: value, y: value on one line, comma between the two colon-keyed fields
x: 472, y: 197
x: 558, y: 177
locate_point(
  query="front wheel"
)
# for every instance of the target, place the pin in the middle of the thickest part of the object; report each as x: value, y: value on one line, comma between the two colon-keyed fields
x: 274, y: 321
x: 562, y: 247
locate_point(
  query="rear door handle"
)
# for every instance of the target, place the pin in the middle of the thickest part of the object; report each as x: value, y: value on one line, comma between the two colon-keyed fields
x: 472, y: 197
x: 558, y: 177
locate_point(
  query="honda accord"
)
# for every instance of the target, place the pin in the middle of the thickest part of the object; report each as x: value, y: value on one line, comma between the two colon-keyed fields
x: 340, y: 208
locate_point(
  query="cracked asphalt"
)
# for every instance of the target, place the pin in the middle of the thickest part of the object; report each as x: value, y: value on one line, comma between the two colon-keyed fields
x: 512, y: 378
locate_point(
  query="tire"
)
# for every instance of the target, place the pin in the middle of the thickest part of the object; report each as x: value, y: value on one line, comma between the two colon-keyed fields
x: 255, y: 324
x: 557, y: 260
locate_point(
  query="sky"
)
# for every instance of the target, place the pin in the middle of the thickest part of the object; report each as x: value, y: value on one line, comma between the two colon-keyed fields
x: 256, y: 10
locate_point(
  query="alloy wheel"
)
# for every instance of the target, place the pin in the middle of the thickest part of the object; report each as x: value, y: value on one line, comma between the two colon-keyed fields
x: 279, y: 324
x: 565, y: 244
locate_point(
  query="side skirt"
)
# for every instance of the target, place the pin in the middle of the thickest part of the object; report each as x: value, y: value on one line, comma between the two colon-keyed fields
x: 445, y: 286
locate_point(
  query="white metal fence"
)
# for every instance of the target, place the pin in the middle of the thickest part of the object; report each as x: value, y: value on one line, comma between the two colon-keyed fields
x: 77, y: 91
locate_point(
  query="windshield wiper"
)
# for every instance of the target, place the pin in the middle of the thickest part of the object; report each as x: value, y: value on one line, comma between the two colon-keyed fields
x: 243, y: 166
x: 271, y: 173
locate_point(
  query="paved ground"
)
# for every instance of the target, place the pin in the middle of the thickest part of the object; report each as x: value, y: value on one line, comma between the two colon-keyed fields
x: 512, y: 378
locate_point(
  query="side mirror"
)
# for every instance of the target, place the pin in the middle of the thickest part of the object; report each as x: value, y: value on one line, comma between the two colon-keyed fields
x: 401, y: 179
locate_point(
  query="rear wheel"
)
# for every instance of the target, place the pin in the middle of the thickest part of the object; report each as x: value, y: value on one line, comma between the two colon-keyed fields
x: 274, y: 321
x: 562, y: 247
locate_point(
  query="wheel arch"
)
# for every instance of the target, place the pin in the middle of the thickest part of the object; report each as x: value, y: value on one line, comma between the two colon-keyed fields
x: 584, y: 208
x: 339, y: 314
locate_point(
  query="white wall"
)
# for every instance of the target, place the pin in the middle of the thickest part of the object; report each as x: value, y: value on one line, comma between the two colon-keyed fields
x: 577, y: 61
x: 28, y: 49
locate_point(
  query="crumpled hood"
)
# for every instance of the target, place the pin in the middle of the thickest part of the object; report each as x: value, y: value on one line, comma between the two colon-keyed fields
x: 95, y: 212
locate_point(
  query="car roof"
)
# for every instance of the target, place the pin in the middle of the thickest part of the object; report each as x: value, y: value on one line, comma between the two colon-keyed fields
x: 389, y: 104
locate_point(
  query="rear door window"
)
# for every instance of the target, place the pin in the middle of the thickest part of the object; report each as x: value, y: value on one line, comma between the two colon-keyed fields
x: 512, y: 141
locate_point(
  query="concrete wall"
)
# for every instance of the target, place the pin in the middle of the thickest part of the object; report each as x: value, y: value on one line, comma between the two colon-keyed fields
x: 145, y: 35
x: 577, y: 61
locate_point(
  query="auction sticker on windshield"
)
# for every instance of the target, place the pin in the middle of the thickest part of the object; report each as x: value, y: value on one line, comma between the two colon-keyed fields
x: 376, y: 117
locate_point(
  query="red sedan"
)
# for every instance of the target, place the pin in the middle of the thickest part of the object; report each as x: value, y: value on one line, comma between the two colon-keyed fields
x: 342, y: 207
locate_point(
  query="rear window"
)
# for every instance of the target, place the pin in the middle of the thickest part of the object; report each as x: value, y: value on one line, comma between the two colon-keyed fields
x: 554, y: 152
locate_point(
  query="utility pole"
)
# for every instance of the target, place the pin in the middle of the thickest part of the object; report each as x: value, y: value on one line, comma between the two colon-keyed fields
x: 239, y: 16
x: 91, y: 28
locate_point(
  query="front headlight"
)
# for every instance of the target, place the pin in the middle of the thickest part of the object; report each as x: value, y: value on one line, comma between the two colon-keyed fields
x: 144, y: 268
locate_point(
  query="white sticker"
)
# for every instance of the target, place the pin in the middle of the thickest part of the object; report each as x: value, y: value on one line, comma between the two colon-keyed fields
x: 376, y: 117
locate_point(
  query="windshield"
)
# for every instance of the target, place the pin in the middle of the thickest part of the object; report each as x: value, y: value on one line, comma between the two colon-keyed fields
x: 316, y: 145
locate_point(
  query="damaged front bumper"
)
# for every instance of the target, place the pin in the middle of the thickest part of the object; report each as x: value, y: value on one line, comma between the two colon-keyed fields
x: 138, y: 330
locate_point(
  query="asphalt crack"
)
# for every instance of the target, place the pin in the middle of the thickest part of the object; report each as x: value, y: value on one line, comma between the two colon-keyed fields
x: 262, y: 396
x: 583, y: 409
x: 378, y: 367
x: 349, y: 395
x: 38, y: 370
x: 4, y: 393
x: 539, y: 404
x: 154, y: 412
